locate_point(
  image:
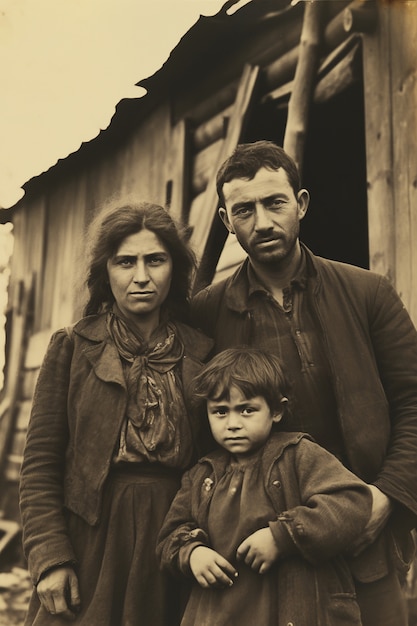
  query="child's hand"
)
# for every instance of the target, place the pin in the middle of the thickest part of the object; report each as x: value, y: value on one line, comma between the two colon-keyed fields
x: 259, y: 550
x: 211, y: 569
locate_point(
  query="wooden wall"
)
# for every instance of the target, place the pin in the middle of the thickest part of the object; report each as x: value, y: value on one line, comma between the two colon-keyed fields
x: 171, y: 156
x: 49, y: 227
x: 390, y: 79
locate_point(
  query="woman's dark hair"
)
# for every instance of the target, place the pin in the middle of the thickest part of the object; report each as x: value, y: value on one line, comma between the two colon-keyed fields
x: 248, y: 158
x: 111, y: 227
x: 254, y: 372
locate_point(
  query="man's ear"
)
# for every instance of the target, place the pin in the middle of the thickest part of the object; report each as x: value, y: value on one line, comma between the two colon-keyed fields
x: 303, y: 200
x: 225, y: 219
x: 279, y: 414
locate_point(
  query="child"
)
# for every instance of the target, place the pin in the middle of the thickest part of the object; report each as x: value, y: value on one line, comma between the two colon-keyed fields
x: 261, y: 523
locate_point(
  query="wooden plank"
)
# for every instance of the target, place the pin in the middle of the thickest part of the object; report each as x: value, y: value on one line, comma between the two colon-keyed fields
x: 213, y: 103
x: 304, y: 81
x: 203, y: 166
x: 347, y: 72
x: 212, y: 129
x: 21, y: 311
x: 178, y: 168
x: 338, y: 70
x: 268, y: 39
x: 378, y: 133
x: 403, y: 51
x: 236, y: 124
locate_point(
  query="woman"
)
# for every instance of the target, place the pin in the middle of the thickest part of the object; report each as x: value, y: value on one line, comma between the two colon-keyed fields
x: 110, y: 433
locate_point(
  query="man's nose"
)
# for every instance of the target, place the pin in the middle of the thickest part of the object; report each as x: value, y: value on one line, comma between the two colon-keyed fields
x: 141, y: 273
x: 262, y: 219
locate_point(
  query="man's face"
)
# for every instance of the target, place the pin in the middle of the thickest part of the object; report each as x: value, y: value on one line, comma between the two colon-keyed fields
x: 264, y: 214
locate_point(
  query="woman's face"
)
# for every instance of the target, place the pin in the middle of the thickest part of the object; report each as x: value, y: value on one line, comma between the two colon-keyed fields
x: 140, y: 276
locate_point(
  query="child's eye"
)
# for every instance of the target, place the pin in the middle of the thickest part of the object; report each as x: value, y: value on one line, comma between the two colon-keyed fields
x: 218, y: 412
x: 248, y: 410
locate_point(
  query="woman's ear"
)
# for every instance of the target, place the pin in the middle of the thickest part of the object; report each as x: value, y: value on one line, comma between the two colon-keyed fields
x: 279, y: 414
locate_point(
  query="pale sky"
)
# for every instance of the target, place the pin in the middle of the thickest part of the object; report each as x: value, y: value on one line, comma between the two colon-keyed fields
x: 64, y: 66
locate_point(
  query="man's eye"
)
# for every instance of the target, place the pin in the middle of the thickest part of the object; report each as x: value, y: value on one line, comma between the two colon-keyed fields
x: 274, y: 204
x: 243, y: 211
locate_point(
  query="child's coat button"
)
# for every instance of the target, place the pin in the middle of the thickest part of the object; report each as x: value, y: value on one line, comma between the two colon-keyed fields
x: 276, y: 483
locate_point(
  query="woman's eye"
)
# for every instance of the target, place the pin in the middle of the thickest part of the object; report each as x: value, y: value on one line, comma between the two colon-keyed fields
x: 125, y: 261
x: 156, y: 260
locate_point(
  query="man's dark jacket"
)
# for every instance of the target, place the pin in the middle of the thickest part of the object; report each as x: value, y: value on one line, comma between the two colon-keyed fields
x: 371, y: 345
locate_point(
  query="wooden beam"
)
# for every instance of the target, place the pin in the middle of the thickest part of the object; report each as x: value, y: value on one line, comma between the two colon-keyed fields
x: 403, y: 47
x: 235, y: 128
x: 338, y: 68
x: 215, y: 128
x: 304, y: 81
x: 203, y: 166
x: 360, y: 17
x: 347, y: 72
x: 21, y: 312
x: 378, y: 134
x: 179, y: 170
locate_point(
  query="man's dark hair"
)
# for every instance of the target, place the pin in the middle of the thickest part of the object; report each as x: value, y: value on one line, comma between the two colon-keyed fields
x: 254, y: 372
x: 248, y: 158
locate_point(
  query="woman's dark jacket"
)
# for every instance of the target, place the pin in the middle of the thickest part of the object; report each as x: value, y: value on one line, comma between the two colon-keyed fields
x: 371, y: 345
x: 78, y: 408
x: 320, y: 508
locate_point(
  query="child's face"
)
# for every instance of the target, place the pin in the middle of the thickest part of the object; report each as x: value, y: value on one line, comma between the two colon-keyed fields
x: 241, y: 425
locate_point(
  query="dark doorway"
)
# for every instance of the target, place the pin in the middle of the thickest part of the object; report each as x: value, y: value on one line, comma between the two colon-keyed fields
x: 336, y: 225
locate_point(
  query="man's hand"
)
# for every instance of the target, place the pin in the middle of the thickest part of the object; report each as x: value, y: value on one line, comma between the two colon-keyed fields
x: 259, y: 550
x: 211, y: 569
x: 381, y: 510
x: 58, y: 592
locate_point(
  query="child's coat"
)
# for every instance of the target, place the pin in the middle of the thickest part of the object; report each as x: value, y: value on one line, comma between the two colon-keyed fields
x: 318, y: 508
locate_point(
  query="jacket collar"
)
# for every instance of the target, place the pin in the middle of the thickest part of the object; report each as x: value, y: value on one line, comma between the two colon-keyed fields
x: 94, y: 328
x: 101, y: 352
x: 273, y: 450
x: 237, y: 293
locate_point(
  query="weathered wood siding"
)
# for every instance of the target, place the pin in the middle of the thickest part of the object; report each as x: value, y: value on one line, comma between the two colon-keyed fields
x: 390, y: 73
x: 49, y: 228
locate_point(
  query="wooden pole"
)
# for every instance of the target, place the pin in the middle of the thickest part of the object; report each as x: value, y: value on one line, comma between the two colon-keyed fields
x: 234, y: 130
x: 304, y: 80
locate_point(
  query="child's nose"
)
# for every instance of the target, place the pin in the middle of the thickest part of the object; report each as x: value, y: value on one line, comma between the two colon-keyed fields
x: 233, y: 422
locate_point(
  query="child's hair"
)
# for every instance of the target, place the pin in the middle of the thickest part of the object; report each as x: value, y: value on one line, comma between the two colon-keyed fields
x: 254, y: 372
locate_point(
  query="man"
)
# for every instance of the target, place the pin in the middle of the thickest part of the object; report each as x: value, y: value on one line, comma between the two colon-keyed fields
x: 349, y: 344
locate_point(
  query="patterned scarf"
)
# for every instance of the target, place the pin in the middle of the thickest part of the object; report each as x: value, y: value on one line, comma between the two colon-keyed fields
x: 155, y: 401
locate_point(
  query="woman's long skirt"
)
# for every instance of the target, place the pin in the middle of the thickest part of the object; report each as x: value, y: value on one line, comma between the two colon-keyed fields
x: 119, y: 577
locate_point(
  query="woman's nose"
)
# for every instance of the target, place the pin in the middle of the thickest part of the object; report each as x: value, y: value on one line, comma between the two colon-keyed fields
x: 141, y: 273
